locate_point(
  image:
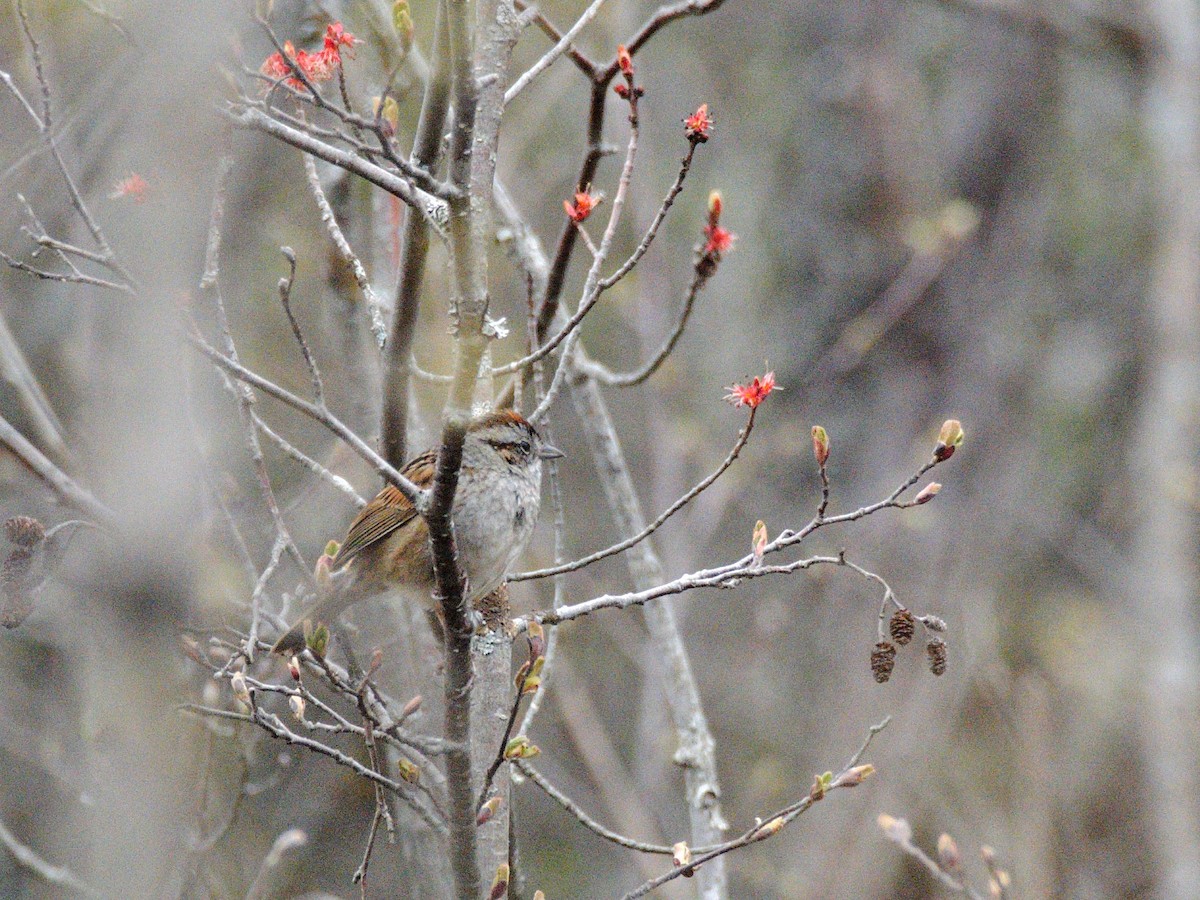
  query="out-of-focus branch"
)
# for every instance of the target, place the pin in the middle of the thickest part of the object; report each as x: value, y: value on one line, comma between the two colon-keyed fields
x: 413, y: 253
x: 210, y: 283
x: 57, y: 480
x: 555, y: 34
x: 56, y: 875
x: 292, y: 839
x: 696, y: 753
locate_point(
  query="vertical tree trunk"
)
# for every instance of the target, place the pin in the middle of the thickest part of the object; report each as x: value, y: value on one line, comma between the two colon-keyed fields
x: 1163, y: 584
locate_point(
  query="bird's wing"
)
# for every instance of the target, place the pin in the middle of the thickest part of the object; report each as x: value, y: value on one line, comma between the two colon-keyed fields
x: 382, y: 516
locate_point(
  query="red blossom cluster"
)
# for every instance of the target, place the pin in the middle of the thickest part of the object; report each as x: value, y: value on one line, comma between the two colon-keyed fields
x: 133, y: 186
x: 718, y: 240
x: 697, y: 125
x: 582, y: 207
x: 751, y: 394
x: 317, y: 67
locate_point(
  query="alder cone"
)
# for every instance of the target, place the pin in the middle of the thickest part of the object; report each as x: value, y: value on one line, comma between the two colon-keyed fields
x: 902, y: 626
x: 883, y: 660
x: 24, y: 531
x: 936, y: 650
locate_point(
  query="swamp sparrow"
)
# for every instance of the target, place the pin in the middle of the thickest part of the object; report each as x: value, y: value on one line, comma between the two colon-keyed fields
x: 495, y: 511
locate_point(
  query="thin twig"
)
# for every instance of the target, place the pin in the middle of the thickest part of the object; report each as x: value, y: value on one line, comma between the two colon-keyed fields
x: 583, y: 818
x: 730, y: 574
x: 630, y: 379
x: 374, y: 304
x: 285, y: 300
x: 319, y: 414
x: 555, y: 34
x: 553, y: 53
x: 433, y: 208
x: 398, y: 363
x: 621, y: 546
x: 769, y: 827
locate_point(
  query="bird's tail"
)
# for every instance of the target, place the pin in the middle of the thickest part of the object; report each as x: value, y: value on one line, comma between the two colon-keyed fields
x: 324, y: 610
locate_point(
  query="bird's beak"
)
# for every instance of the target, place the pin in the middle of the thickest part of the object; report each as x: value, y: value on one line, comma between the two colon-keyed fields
x: 548, y: 452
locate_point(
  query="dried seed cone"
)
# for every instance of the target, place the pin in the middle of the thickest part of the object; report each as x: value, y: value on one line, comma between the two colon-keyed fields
x: 25, y: 531
x: 17, y: 601
x: 936, y: 650
x: 15, y: 608
x: 883, y: 660
x: 15, y: 573
x: 902, y: 626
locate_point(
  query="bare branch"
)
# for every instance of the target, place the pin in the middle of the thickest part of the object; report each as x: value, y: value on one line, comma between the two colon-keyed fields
x: 56, y: 875
x: 432, y: 208
x: 850, y: 776
x: 621, y: 546
x: 317, y: 413
x: 54, y: 478
x: 413, y: 253
x: 374, y: 304
x: 553, y: 53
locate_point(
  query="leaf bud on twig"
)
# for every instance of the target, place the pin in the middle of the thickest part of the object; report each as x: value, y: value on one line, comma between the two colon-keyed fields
x: 948, y: 854
x: 927, y: 493
x: 411, y: 773
x: 820, y: 441
x: 758, y: 543
x: 768, y: 829
x: 488, y: 810
x: 856, y: 776
x: 681, y: 854
x: 949, y: 439
x: 499, y: 883
x: 237, y: 682
x: 894, y: 829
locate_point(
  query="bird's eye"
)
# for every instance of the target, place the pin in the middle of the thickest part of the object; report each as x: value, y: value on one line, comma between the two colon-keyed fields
x: 524, y: 447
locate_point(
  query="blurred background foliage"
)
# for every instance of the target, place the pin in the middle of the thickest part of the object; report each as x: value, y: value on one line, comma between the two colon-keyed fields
x: 943, y: 208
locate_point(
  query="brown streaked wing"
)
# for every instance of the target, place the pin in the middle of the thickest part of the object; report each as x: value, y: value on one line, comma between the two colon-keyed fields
x: 388, y: 511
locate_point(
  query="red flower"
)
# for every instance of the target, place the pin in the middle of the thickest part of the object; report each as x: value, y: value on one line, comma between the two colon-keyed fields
x: 317, y: 67
x: 753, y: 393
x: 696, y: 125
x: 582, y: 207
x: 720, y: 240
x: 624, y: 61
x: 336, y: 37
x: 133, y: 186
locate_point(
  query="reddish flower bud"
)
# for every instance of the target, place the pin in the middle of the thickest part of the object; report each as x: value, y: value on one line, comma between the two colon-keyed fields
x: 754, y: 393
x: 696, y: 127
x: 582, y: 207
x: 624, y: 61
x: 488, y: 810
